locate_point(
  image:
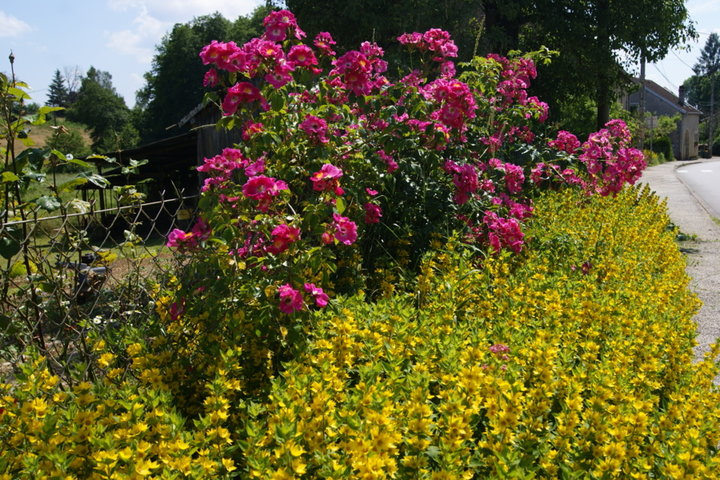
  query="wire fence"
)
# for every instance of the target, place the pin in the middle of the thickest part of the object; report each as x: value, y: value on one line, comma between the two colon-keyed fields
x: 68, y: 274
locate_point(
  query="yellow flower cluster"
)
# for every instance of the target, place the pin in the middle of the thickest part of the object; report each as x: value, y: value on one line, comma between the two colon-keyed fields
x: 119, y: 428
x: 570, y: 360
x: 573, y: 360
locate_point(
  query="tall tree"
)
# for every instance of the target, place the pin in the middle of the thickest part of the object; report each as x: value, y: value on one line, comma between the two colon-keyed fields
x: 709, y: 61
x: 57, y: 92
x: 602, y: 36
x: 353, y: 21
x: 174, y: 85
x: 702, y: 88
x: 699, y: 86
x: 100, y: 107
x: 73, y: 79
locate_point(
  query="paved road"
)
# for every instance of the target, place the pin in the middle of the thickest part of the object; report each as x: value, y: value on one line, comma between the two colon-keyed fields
x: 703, y: 250
x: 703, y: 179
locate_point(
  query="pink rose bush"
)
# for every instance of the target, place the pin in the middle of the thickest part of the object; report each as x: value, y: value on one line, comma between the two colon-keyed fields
x: 344, y: 169
x: 189, y: 241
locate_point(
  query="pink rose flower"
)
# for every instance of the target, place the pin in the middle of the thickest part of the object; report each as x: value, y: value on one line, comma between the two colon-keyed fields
x: 291, y: 300
x: 211, y: 78
x: 320, y: 297
x: 242, y: 92
x: 345, y: 229
x: 282, y: 236
x: 327, y: 179
x: 324, y: 42
x: 301, y: 56
x: 263, y: 189
x: 316, y: 128
x: 373, y: 213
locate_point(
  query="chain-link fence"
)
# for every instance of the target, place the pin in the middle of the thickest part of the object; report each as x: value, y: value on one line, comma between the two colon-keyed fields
x: 67, y: 274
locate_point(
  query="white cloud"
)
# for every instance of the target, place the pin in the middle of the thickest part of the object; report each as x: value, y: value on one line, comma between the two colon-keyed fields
x: 11, y: 26
x: 140, y: 40
x: 154, y: 18
x: 131, y: 43
x: 184, y: 10
x: 173, y: 11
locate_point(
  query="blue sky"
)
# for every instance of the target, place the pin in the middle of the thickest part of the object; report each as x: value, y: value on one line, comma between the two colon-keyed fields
x: 119, y: 36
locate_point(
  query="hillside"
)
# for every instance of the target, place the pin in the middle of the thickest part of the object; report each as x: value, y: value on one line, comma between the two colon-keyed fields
x: 39, y: 134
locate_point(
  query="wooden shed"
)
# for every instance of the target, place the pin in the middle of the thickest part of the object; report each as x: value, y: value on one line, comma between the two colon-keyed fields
x: 210, y: 140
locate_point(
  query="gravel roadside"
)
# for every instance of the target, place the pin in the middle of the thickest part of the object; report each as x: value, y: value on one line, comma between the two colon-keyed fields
x: 702, y: 249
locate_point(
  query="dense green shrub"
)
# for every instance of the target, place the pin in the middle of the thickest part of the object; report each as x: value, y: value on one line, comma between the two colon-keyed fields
x: 663, y: 146
x: 69, y: 140
x: 653, y: 158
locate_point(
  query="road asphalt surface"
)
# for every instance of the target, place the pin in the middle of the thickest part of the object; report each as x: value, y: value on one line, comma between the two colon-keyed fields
x: 691, y: 214
x: 704, y: 180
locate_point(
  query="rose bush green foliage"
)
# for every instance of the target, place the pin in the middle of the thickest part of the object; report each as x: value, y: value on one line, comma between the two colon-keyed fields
x: 346, y: 176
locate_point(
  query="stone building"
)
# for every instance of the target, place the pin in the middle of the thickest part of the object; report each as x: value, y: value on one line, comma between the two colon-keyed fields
x: 660, y: 101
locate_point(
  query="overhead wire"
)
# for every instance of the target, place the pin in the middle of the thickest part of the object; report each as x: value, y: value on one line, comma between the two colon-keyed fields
x: 681, y: 60
x: 664, y: 76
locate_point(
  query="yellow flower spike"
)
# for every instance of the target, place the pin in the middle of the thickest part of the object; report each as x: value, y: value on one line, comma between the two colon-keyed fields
x: 143, y: 447
x: 229, y: 464
x: 144, y: 468
x: 134, y: 349
x: 281, y: 475
x: 105, y: 360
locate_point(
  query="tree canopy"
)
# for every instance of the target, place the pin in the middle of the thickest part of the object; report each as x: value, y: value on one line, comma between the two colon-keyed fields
x: 709, y: 61
x: 100, y: 107
x: 354, y: 21
x: 174, y: 85
x: 591, y: 35
x: 597, y: 40
x: 702, y: 88
x: 58, y: 93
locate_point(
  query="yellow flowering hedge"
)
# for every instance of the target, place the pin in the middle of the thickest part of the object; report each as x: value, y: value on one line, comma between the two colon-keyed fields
x: 123, y: 426
x: 570, y: 360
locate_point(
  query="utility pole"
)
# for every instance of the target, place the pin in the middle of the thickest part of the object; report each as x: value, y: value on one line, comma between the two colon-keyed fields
x: 641, y: 109
x: 712, y: 112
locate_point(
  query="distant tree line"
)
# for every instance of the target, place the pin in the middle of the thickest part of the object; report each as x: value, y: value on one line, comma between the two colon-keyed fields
x: 703, y: 91
x: 595, y: 39
x: 172, y: 88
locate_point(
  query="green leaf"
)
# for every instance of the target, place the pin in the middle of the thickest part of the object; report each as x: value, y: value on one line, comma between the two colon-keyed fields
x: 30, y: 160
x: 34, y: 176
x: 79, y: 162
x: 96, y: 156
x: 432, y: 452
x: 79, y: 205
x: 340, y: 205
x: 19, y: 94
x: 44, y: 110
x: 9, y: 177
x: 138, y: 163
x: 9, y: 247
x: 72, y: 184
x: 133, y: 166
x: 96, y: 179
x: 49, y: 203
x: 60, y: 155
